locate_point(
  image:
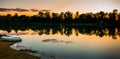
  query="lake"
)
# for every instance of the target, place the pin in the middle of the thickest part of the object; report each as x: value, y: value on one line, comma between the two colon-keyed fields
x: 68, y: 42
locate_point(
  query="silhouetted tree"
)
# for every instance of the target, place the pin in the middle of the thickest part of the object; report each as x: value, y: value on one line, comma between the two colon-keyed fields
x: 15, y: 18
x: 61, y: 17
x: 100, y: 18
x: 76, y: 19
x: 47, y: 17
x: 82, y: 18
x: 113, y: 16
x: 24, y: 18
x: 8, y: 18
x: 68, y: 16
x: 41, y: 16
x: 55, y: 17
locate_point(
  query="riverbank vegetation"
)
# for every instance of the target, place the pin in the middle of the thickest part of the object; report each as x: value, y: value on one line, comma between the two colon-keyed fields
x: 99, y: 18
x: 100, y: 23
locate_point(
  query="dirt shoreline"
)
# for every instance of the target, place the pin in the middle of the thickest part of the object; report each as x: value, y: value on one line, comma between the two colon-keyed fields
x: 7, y: 53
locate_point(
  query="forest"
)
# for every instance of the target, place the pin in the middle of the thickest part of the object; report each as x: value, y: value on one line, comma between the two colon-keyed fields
x: 100, y: 18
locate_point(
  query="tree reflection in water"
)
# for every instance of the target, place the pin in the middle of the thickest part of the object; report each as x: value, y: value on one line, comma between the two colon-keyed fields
x: 65, y: 29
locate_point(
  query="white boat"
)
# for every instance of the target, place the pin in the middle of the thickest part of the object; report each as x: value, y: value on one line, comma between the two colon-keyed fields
x: 12, y: 38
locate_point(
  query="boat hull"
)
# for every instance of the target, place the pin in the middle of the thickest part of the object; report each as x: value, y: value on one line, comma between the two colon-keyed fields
x: 11, y: 39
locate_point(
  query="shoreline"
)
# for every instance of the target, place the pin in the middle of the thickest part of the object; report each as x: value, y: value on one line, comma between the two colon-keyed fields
x: 8, y: 53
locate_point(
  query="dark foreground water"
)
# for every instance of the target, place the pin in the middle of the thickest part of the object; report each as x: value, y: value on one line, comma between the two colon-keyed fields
x: 69, y: 43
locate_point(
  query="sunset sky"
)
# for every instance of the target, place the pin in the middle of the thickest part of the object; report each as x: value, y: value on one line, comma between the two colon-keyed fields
x: 63, y: 5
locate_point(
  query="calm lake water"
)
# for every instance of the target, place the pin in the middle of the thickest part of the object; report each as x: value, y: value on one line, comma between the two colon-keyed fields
x: 70, y: 43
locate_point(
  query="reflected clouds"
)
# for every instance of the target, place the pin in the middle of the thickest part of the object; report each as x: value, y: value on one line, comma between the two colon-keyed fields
x: 56, y: 41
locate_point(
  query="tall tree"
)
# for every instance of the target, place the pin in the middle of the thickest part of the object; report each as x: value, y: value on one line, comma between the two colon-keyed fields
x: 61, y: 16
x: 15, y: 18
x: 41, y: 15
x: 68, y: 16
x: 55, y: 17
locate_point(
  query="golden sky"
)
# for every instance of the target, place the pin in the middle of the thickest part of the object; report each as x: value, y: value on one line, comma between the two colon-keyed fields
x: 63, y: 5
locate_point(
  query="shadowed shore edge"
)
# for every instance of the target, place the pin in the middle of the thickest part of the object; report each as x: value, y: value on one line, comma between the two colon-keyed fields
x: 8, y: 53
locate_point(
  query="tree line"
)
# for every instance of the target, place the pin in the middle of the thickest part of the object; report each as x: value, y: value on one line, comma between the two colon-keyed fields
x: 103, y: 18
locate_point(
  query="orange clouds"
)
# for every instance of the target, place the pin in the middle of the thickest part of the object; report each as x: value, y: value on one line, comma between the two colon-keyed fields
x: 17, y: 10
x: 12, y: 9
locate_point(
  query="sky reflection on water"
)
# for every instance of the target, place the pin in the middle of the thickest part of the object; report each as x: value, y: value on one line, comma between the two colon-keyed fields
x: 71, y: 43
x: 81, y: 46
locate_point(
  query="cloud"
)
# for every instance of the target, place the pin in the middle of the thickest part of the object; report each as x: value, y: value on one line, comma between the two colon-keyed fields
x: 13, y: 9
x: 4, y: 9
x: 34, y: 10
x: 45, y: 10
x: 20, y: 10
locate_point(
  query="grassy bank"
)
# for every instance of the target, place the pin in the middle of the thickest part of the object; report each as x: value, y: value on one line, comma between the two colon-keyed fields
x: 7, y: 53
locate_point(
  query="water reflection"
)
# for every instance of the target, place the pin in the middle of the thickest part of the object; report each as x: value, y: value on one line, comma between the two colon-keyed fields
x: 66, y: 29
x: 67, y: 41
x: 56, y: 41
